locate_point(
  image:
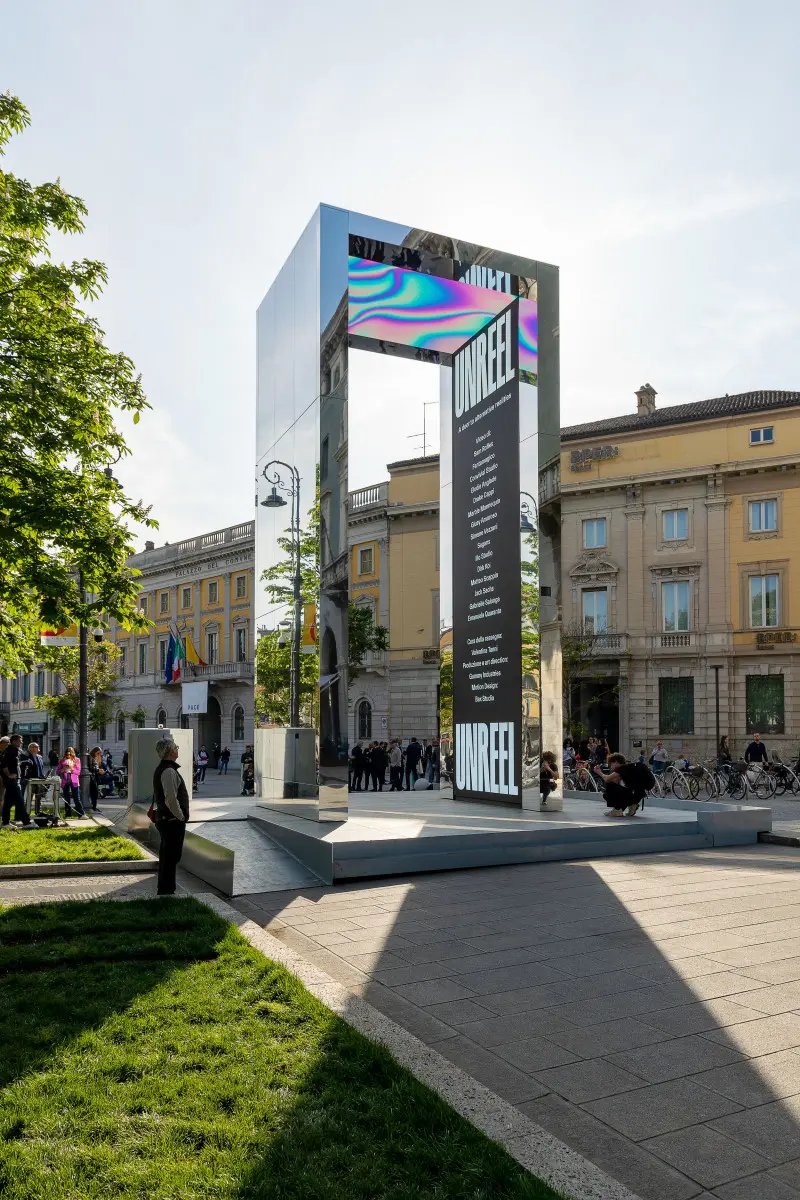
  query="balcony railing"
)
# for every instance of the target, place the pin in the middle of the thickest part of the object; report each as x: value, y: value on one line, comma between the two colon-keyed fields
x: 675, y: 641
x: 368, y: 497
x: 227, y: 672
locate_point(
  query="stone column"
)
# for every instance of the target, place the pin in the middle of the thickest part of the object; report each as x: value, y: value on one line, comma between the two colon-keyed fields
x: 225, y: 648
x: 634, y: 512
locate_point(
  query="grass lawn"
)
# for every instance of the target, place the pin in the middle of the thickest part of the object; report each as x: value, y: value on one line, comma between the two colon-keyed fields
x: 95, y: 843
x: 147, y: 1052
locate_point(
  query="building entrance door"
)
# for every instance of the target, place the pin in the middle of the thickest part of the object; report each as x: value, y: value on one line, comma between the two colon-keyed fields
x: 209, y: 731
x: 595, y: 709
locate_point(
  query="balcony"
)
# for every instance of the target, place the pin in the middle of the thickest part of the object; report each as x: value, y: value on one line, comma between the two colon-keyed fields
x: 228, y: 672
x: 604, y: 644
x: 374, y: 496
x: 675, y: 641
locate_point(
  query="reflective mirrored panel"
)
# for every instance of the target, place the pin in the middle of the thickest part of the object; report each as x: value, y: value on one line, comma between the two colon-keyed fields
x: 408, y: 519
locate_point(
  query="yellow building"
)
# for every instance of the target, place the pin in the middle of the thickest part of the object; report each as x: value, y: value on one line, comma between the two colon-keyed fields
x: 680, y: 554
x: 200, y: 589
x: 393, y: 539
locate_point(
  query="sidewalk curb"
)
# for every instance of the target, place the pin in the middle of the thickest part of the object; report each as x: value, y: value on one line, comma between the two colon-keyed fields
x: 538, y: 1151
x: 125, y: 866
x: 780, y: 839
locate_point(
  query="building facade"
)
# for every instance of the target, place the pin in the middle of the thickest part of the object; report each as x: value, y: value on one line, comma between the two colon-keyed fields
x: 393, y: 538
x: 201, y: 588
x: 680, y: 573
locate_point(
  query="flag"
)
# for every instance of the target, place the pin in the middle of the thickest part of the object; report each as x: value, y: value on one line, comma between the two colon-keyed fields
x: 191, y: 654
x: 170, y: 663
x: 308, y: 640
x: 180, y: 656
x: 172, y: 667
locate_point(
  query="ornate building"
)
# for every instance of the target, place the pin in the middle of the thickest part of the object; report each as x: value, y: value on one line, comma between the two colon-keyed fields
x: 680, y: 572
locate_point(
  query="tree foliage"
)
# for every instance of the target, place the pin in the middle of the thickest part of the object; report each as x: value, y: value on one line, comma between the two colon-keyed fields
x: 273, y: 669
x: 61, y: 392
x: 103, y: 675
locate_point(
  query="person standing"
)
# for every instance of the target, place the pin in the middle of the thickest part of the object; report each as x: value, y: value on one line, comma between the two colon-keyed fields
x: 52, y: 758
x: 413, y: 755
x: 202, y: 764
x: 756, y: 751
x: 215, y: 756
x: 32, y: 767
x: 357, y: 765
x: 659, y: 759
x: 171, y: 800
x: 10, y: 771
x: 224, y: 759
x: 69, y: 772
x: 395, y: 768
x: 433, y: 765
x: 377, y: 761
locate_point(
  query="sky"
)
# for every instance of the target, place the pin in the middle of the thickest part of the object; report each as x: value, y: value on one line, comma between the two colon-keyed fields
x: 649, y: 150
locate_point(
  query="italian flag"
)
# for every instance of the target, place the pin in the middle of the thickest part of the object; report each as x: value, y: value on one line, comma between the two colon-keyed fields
x: 180, y: 656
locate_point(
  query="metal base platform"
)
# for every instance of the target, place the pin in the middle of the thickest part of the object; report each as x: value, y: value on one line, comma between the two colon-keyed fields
x: 399, y: 833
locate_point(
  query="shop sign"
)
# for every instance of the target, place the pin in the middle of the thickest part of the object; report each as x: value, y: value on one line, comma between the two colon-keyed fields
x: 582, y: 460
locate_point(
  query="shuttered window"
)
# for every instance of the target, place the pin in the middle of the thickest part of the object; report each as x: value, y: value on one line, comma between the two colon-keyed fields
x: 675, y: 706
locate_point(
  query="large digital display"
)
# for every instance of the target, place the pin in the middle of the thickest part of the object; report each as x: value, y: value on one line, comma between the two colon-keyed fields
x: 391, y: 304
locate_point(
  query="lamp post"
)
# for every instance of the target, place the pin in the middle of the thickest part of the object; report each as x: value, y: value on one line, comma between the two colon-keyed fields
x: 716, y: 668
x: 83, y: 701
x: 526, y: 511
x: 274, y: 500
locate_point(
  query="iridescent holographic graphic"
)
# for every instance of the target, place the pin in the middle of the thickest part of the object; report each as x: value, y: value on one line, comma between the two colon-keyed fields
x: 391, y: 304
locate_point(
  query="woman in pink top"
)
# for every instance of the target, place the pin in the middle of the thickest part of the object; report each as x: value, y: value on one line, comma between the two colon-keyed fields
x: 69, y: 772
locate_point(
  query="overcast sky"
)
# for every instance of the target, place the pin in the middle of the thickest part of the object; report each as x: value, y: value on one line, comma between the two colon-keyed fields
x: 649, y: 150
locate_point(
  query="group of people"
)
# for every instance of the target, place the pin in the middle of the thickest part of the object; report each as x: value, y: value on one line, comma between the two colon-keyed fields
x: 403, y: 764
x: 19, y: 767
x: 218, y: 761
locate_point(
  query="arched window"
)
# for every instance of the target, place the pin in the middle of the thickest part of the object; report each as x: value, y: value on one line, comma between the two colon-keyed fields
x: 364, y: 718
x: 161, y: 717
x: 238, y: 723
x: 120, y: 727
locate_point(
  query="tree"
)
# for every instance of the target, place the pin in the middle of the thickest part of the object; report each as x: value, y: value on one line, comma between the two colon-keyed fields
x: 61, y: 391
x: 363, y: 634
x: 579, y: 664
x: 273, y: 666
x: 63, y: 661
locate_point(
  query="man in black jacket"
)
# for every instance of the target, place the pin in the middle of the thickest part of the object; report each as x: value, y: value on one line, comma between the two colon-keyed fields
x: 756, y: 751
x: 377, y: 761
x: 171, y: 800
x: 10, y: 768
x: 413, y: 755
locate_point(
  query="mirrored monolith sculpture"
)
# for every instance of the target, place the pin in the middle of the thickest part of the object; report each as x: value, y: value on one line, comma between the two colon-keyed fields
x: 407, y: 532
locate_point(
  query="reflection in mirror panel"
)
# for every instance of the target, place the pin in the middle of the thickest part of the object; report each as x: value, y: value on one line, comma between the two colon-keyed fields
x: 372, y: 451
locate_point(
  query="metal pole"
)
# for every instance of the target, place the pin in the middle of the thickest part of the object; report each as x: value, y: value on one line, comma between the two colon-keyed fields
x: 83, y: 702
x: 716, y: 670
x: 294, y: 698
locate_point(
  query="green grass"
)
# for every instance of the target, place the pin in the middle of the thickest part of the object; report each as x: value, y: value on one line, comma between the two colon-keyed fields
x: 94, y: 844
x: 147, y: 1052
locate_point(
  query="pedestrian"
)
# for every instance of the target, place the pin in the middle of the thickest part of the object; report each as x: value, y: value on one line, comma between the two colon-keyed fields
x: 215, y: 756
x: 52, y: 758
x: 385, y: 749
x: 723, y: 752
x: 31, y: 766
x: 756, y: 751
x: 69, y: 772
x: 357, y: 766
x: 171, y: 800
x: 432, y: 773
x: 548, y: 774
x: 659, y: 759
x: 395, y: 768
x: 12, y: 793
x: 224, y: 759
x: 626, y: 785
x: 108, y: 758
x: 125, y: 760
x: 377, y: 762
x: 247, y: 769
x: 568, y: 756
x: 101, y: 777
x: 413, y: 755
x: 202, y: 764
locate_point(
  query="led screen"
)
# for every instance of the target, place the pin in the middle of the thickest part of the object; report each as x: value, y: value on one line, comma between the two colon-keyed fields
x: 391, y: 304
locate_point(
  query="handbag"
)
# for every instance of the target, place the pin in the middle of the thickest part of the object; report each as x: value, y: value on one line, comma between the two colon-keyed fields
x: 152, y: 812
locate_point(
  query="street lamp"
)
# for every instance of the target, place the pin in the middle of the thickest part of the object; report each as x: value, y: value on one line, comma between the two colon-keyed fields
x: 526, y: 511
x: 274, y: 500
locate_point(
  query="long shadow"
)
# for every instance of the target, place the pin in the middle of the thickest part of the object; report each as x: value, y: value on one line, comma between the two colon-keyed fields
x: 644, y: 1010
x: 124, y: 951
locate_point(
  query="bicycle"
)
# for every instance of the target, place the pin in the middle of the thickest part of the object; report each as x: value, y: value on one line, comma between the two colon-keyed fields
x: 786, y: 779
x: 760, y: 782
x: 682, y: 786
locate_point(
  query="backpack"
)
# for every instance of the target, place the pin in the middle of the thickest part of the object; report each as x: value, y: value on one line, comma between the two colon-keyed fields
x: 638, y: 777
